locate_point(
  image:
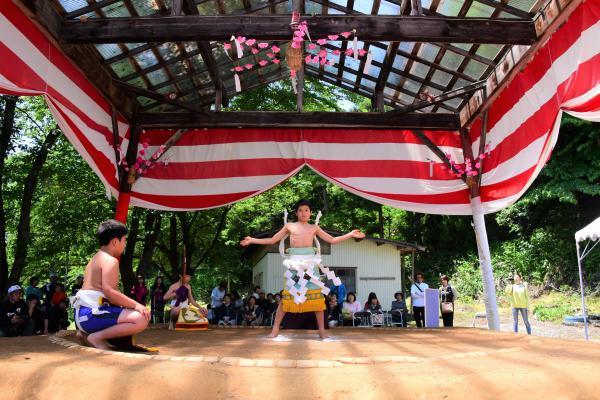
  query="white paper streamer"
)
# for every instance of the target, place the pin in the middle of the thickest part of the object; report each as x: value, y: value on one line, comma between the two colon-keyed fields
x: 355, y: 47
x: 238, y: 47
x: 295, y: 84
x: 430, y: 168
x: 368, y: 63
x: 238, y: 84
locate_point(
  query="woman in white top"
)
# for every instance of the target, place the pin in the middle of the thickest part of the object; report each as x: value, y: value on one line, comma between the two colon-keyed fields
x: 351, y: 306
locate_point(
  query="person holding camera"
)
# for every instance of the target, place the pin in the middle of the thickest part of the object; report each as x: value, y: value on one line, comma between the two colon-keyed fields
x: 518, y: 295
x: 447, y: 297
x: 14, y: 315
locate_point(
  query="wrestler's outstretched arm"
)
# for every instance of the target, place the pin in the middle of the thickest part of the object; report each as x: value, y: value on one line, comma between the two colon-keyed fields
x: 110, y: 279
x: 357, y: 234
x: 272, y: 240
x: 193, y: 302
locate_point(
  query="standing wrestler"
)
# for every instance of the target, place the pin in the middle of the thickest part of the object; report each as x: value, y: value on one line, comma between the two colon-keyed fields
x: 308, y: 298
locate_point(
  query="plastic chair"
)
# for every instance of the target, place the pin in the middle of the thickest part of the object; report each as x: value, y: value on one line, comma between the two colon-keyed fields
x: 478, y: 316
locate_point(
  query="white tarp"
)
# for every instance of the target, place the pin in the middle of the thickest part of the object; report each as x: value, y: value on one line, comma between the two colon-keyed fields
x: 591, y: 232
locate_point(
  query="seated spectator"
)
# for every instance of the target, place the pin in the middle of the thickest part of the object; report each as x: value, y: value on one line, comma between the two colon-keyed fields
x: 238, y: 305
x: 256, y: 292
x: 333, y: 311
x: 14, y: 316
x: 276, y: 300
x: 351, y: 306
x: 58, y: 318
x: 36, y: 315
x: 399, y: 309
x: 252, y: 313
x: 59, y: 295
x: 77, y: 285
x: 265, y: 306
x: 48, y: 289
x: 372, y: 305
x: 33, y: 289
x: 225, y: 314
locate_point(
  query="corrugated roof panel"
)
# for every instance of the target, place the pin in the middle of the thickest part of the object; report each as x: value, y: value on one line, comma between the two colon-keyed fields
x: 122, y: 68
x: 146, y: 59
x: 108, y: 50
x: 158, y: 76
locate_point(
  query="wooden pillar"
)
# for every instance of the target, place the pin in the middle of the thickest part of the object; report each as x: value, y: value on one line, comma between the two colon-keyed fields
x: 414, y: 269
x: 402, y: 277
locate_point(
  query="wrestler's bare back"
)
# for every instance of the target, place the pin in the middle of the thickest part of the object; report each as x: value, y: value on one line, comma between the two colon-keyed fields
x: 92, y: 279
x: 301, y: 234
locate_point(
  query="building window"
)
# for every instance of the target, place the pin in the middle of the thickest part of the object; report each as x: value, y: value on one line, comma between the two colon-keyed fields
x: 347, y: 276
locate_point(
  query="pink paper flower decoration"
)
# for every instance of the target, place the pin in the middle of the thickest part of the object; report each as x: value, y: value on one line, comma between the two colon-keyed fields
x: 321, y: 42
x: 276, y: 60
x: 262, y: 63
x: 250, y: 42
x: 312, y: 46
x: 142, y: 152
x: 295, y: 45
x: 227, y: 46
x: 346, y: 34
x: 333, y: 37
x: 263, y: 45
x: 270, y: 55
x: 349, y: 52
x: 322, y: 53
x: 240, y: 39
x: 275, y: 49
x: 248, y: 66
x: 239, y: 68
x: 255, y: 51
x: 336, y: 52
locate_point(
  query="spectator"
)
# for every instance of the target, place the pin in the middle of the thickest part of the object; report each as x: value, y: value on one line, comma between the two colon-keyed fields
x: 351, y: 306
x: 36, y: 315
x: 217, y: 295
x: 33, y: 289
x: 252, y: 313
x: 238, y: 305
x: 340, y: 292
x: 398, y: 309
x: 518, y: 295
x: 59, y: 294
x: 417, y: 295
x: 447, y: 296
x: 276, y: 300
x: 225, y: 313
x: 49, y: 289
x: 264, y: 304
x: 334, y: 310
x: 77, y: 285
x: 139, y: 291
x: 372, y: 305
x: 256, y: 292
x: 157, y: 301
x: 58, y: 318
x: 14, y: 316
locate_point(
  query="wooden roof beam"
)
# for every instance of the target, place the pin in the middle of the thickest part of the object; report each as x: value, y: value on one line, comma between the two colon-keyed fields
x: 279, y: 119
x: 276, y: 27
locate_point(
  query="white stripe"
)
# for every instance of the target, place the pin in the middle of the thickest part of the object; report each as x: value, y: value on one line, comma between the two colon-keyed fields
x: 586, y: 47
x: 517, y: 164
x: 203, y: 187
x: 403, y: 185
x: 41, y: 64
x: 581, y: 100
x: 375, y: 151
x: 8, y: 85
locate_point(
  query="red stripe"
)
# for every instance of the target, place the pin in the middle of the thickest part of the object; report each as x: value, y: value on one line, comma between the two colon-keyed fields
x: 41, y: 42
x: 196, y: 137
x: 458, y: 197
x: 506, y: 188
x: 18, y: 72
x: 104, y: 164
x: 224, y: 169
x: 381, y: 169
x: 193, y: 202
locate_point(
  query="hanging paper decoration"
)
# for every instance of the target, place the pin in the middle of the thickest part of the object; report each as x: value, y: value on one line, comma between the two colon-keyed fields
x: 368, y: 63
x: 238, y: 84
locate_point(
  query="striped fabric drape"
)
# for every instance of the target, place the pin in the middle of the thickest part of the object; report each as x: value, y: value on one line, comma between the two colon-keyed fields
x: 210, y: 168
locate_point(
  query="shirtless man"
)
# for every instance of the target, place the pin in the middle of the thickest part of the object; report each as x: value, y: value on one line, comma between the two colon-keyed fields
x: 302, y: 235
x: 181, y: 294
x: 101, y: 311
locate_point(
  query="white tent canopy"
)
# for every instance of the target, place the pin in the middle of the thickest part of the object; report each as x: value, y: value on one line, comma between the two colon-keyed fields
x: 591, y: 232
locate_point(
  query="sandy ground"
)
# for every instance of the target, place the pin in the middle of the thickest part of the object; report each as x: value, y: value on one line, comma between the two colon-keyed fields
x: 450, y: 364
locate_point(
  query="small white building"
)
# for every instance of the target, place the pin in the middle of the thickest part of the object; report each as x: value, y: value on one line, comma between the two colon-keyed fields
x: 364, y: 266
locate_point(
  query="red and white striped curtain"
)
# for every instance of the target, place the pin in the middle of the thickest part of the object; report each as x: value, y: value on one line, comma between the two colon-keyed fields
x: 210, y: 168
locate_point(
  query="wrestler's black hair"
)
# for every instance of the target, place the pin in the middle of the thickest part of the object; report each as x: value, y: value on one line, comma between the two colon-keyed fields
x: 302, y: 202
x: 110, y: 229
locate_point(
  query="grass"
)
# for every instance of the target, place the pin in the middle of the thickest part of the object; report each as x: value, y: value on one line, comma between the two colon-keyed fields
x: 553, y: 306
